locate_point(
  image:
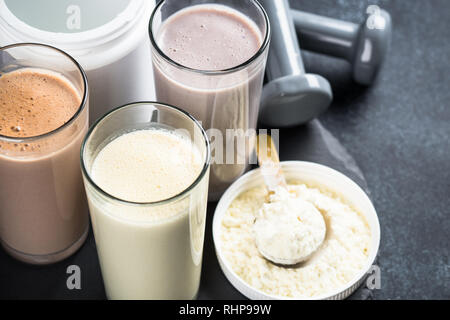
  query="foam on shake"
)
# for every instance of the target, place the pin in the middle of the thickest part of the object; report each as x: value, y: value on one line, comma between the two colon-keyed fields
x: 209, y: 37
x: 147, y: 166
x: 35, y: 102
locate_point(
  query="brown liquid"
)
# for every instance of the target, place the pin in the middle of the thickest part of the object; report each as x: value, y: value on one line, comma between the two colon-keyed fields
x: 42, y: 203
x: 213, y: 37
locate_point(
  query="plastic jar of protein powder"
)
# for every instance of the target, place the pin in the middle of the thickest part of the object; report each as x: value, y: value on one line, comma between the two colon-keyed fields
x: 108, y: 38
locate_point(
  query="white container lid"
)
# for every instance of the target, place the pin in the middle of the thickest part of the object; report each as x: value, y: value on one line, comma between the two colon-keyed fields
x: 309, y: 173
x: 84, y: 28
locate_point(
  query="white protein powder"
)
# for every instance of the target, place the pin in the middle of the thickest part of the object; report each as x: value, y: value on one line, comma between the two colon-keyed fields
x: 288, y: 228
x: 342, y: 255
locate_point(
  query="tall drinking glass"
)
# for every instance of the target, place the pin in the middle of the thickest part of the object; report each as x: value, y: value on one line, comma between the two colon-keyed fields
x: 43, y: 119
x: 147, y: 250
x: 225, y: 100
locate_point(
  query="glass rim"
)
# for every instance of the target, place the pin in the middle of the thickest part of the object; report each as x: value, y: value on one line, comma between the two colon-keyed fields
x: 80, y: 109
x: 259, y: 53
x: 207, y: 160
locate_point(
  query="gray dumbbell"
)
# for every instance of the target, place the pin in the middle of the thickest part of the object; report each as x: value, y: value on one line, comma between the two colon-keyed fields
x: 291, y: 97
x: 364, y: 46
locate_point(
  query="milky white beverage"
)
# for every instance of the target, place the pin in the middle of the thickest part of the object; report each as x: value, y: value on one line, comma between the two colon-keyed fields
x: 149, y: 248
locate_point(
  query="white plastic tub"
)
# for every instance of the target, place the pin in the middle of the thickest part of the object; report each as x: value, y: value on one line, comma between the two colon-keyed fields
x: 108, y: 38
x: 310, y: 173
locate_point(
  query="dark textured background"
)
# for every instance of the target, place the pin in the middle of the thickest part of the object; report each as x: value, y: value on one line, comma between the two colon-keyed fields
x: 398, y: 132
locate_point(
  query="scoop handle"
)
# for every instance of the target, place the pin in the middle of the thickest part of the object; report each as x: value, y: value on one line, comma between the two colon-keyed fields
x: 269, y: 163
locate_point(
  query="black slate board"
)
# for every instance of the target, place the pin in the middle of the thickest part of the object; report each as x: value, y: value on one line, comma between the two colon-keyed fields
x: 20, y: 281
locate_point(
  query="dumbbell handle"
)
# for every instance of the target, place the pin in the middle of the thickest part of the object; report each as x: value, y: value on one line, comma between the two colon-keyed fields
x: 284, y: 56
x: 325, y: 35
x: 291, y: 96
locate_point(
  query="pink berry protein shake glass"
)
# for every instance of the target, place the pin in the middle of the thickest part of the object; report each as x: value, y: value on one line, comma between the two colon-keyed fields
x: 209, y: 59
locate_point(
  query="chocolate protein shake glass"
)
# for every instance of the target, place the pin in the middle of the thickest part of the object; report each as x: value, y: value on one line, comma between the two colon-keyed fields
x: 209, y: 59
x: 43, y: 119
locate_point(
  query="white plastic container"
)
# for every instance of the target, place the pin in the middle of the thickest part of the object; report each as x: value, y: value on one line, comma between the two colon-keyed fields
x: 314, y: 174
x: 108, y: 38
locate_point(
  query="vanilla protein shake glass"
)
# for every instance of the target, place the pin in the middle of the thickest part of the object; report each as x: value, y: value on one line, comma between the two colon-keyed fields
x: 146, y: 170
x: 209, y: 59
x: 43, y: 119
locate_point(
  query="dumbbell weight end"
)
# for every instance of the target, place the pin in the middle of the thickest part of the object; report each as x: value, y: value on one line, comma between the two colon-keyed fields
x: 291, y: 96
x: 364, y: 46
